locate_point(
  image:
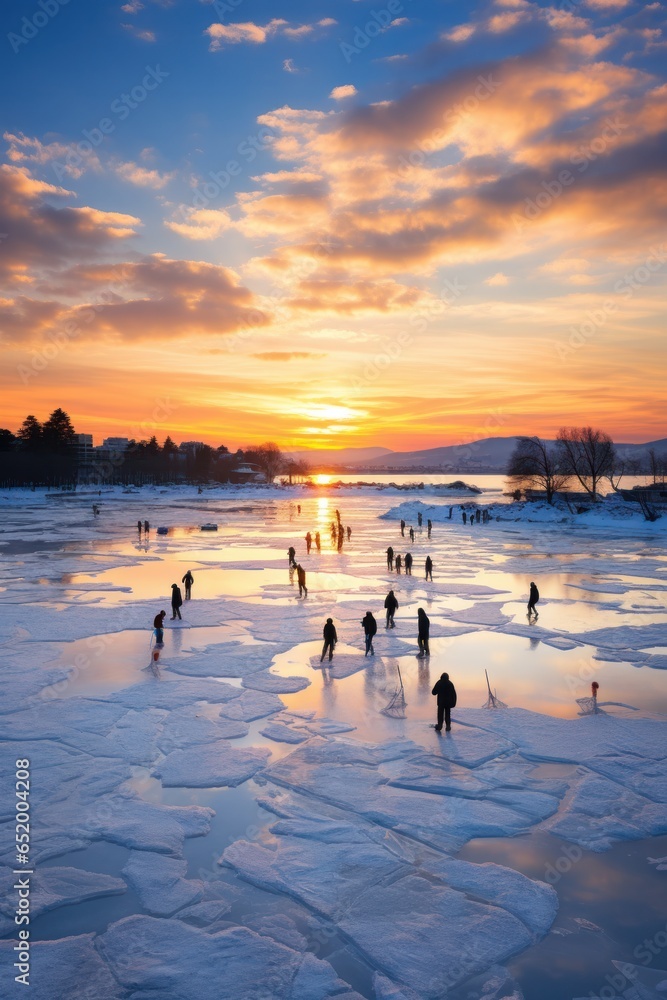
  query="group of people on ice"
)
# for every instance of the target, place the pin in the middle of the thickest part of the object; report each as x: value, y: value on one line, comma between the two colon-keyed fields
x: 398, y: 561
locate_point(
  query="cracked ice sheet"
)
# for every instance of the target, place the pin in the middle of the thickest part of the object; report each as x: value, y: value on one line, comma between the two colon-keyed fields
x: 212, y: 765
x: 229, y: 659
x: 323, y: 768
x: 67, y: 969
x: 51, y: 887
x: 543, y: 737
x: 393, y: 911
x: 161, y: 884
x: 601, y: 812
x: 169, y: 959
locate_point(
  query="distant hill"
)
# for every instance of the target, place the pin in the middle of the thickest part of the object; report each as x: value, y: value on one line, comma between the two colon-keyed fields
x: 489, y: 455
x: 341, y: 457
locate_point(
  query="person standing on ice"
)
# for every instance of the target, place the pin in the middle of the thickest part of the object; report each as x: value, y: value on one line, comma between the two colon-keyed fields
x: 188, y: 580
x: 291, y: 557
x: 318, y: 541
x: 445, y: 692
x: 349, y: 532
x: 402, y: 527
x: 390, y: 558
x: 465, y: 517
x: 398, y: 561
x: 176, y: 601
x: 412, y: 534
x: 419, y: 519
x: 139, y: 526
x: 429, y: 527
x: 423, y: 629
x: 408, y: 563
x: 158, y: 625
x: 391, y: 605
x: 309, y: 542
x: 533, y: 598
x: 370, y: 627
x: 146, y: 526
x: 429, y: 568
x: 301, y: 577
x: 330, y: 639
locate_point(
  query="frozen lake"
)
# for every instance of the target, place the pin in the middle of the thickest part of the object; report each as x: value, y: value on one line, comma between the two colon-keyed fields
x: 239, y: 805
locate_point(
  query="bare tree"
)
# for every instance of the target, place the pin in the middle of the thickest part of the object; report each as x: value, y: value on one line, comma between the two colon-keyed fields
x: 656, y: 465
x: 269, y: 458
x: 533, y: 464
x: 588, y: 454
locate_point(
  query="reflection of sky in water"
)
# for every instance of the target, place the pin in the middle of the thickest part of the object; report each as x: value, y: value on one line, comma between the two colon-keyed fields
x: 617, y: 891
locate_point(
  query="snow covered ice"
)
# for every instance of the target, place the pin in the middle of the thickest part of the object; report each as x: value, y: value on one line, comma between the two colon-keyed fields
x: 240, y: 817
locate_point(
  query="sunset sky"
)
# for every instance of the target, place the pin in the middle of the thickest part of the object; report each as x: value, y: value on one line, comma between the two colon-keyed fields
x: 332, y: 224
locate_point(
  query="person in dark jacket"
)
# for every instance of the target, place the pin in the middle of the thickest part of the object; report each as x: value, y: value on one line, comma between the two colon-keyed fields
x: 398, y: 562
x: 370, y: 627
x: 139, y: 526
x: 402, y: 527
x: 391, y: 605
x: 419, y: 519
x: 330, y: 639
x: 390, y: 558
x: 349, y: 532
x: 429, y: 568
x: 464, y: 516
x: 176, y: 601
x: 291, y: 556
x: 423, y: 629
x: 445, y: 692
x: 309, y: 542
x: 429, y: 527
x: 301, y: 577
x: 188, y: 580
x: 412, y: 534
x: 533, y: 599
x: 408, y: 562
x: 318, y: 541
x: 146, y: 526
x: 158, y: 625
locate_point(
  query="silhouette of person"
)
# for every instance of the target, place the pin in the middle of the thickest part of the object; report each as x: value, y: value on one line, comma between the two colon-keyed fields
x: 318, y: 541
x: 419, y: 519
x: 176, y: 601
x: 408, y: 563
x: 298, y: 508
x: 465, y: 517
x: 309, y: 542
x: 445, y: 692
x: 478, y: 515
x: 370, y: 627
x: 451, y: 511
x: 146, y: 526
x: 337, y: 513
x: 330, y: 639
x: 188, y: 580
x: 429, y: 527
x: 429, y: 568
x: 390, y: 558
x: 533, y: 598
x: 349, y: 532
x: 139, y: 526
x: 301, y: 577
x: 402, y: 527
x: 391, y: 605
x: 291, y: 556
x: 158, y: 625
x: 398, y: 561
x: 341, y: 537
x: 423, y: 629
x: 412, y: 534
